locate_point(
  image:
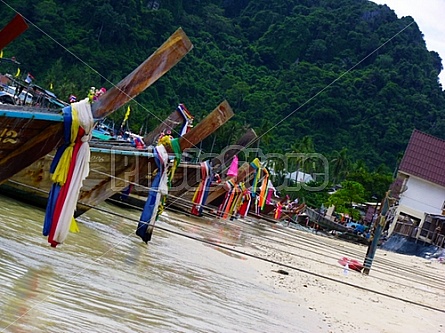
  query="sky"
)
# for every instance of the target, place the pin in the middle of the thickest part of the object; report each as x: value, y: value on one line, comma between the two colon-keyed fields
x: 430, y: 17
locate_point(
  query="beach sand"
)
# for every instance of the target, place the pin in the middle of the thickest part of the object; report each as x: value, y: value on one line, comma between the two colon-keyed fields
x: 401, y: 293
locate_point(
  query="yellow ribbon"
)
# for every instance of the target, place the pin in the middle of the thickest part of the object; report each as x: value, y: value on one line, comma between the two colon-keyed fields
x: 73, y: 226
x: 61, y: 173
x: 263, y: 189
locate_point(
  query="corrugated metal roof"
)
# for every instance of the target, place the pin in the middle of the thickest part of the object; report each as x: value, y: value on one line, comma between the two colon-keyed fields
x: 425, y: 158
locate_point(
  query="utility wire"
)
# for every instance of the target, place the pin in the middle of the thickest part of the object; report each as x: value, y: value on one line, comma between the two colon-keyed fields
x: 277, y: 263
x: 181, y: 234
x: 408, y: 270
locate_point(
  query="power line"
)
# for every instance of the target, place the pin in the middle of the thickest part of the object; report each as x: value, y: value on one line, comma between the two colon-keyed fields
x: 275, y: 262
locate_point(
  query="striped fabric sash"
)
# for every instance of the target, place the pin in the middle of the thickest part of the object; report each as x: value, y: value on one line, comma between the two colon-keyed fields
x: 188, y: 119
x: 202, y: 192
x: 69, y: 169
x: 159, y: 187
x: 263, y: 189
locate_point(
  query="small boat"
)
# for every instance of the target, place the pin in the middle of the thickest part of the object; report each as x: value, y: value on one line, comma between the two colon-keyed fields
x: 324, y: 222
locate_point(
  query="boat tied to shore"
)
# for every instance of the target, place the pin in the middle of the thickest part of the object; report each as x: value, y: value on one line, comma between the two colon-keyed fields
x: 29, y: 132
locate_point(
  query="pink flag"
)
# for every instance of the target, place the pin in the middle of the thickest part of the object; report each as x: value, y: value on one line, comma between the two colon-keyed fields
x: 233, y: 170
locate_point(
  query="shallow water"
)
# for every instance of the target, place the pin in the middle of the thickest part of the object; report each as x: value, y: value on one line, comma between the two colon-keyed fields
x: 105, y: 279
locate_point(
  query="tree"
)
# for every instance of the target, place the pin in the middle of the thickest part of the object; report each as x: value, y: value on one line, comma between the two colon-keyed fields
x: 340, y: 165
x: 286, y: 63
x: 343, y: 199
x: 299, y: 158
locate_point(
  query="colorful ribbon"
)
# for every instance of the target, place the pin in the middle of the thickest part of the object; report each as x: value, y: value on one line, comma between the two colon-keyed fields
x: 157, y: 195
x: 247, y: 199
x: 174, y: 144
x: 69, y: 169
x: 158, y: 188
x: 256, y: 165
x: 202, y: 192
x: 263, y: 189
x: 188, y: 119
x: 278, y: 211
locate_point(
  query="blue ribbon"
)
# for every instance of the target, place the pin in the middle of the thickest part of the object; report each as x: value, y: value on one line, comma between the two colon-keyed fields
x: 206, y: 187
x: 150, y: 208
x: 55, y: 188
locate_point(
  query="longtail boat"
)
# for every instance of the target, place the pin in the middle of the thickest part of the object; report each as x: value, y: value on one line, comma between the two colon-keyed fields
x: 240, y: 187
x: 245, y: 173
x: 146, y: 166
x: 184, y: 185
x: 183, y: 191
x: 29, y: 133
x: 112, y: 167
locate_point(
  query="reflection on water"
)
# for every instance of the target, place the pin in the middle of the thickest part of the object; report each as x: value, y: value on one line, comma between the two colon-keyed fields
x: 104, y: 279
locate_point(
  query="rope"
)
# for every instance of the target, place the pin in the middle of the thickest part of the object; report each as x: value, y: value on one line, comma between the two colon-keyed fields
x: 406, y: 269
x: 231, y: 249
x: 282, y: 264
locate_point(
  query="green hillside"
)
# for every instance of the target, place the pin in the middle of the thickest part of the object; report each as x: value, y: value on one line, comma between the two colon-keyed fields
x: 343, y: 74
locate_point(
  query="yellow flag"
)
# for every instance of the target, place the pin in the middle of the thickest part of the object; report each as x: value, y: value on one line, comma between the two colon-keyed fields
x: 127, y: 114
x: 51, y: 86
x: 18, y: 72
x: 1, y: 54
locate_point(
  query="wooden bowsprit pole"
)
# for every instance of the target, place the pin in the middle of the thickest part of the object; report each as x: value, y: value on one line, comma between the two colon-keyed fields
x: 164, y: 58
x: 170, y: 123
x: 12, y: 30
x: 224, y: 159
x: 218, y: 117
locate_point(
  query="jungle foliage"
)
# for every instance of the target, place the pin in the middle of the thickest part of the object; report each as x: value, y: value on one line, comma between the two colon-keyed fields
x: 347, y: 76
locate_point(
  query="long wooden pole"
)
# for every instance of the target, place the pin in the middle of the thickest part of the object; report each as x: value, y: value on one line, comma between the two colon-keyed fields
x: 161, y: 61
x: 12, y: 30
x: 219, y: 116
x: 170, y: 123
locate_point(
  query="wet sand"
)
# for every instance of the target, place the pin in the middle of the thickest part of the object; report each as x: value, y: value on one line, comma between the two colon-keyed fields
x: 401, y: 293
x: 106, y: 280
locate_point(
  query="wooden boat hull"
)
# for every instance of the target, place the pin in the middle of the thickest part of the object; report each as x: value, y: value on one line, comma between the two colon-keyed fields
x: 323, y: 221
x: 111, y: 170
x: 353, y: 238
x: 108, y: 171
x: 26, y: 136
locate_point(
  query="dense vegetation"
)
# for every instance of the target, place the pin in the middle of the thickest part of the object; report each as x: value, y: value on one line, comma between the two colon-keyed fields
x: 346, y: 76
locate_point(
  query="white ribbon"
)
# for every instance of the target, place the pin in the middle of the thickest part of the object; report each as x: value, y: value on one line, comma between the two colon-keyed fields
x: 80, y: 172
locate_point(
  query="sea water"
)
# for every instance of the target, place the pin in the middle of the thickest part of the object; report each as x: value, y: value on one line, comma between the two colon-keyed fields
x: 105, y: 279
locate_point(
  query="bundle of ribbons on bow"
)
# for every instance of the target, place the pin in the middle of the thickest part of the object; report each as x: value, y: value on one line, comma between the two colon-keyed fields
x: 160, y: 184
x: 69, y: 168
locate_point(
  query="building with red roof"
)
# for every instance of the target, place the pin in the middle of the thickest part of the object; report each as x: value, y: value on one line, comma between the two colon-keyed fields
x: 420, y: 188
